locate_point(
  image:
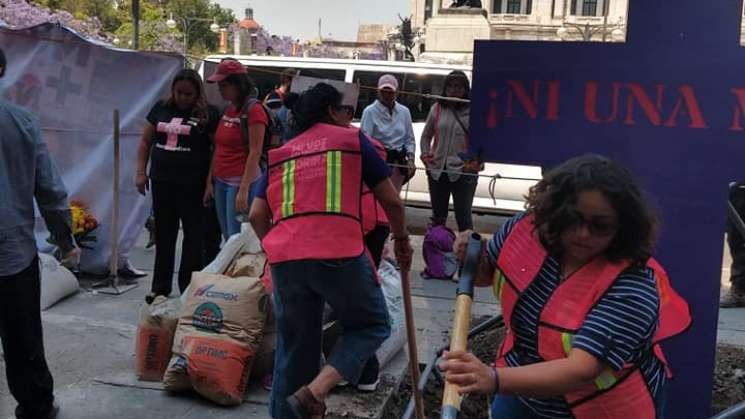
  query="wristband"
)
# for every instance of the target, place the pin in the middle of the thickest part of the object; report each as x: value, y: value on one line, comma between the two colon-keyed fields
x: 496, y: 379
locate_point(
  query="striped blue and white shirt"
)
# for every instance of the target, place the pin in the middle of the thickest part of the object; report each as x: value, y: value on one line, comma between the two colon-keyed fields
x: 618, y: 330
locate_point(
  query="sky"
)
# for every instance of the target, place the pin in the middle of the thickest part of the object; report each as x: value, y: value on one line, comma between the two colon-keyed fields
x: 299, y: 18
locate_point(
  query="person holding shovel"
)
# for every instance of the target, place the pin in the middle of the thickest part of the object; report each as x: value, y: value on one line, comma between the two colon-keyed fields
x: 584, y: 304
x: 307, y: 214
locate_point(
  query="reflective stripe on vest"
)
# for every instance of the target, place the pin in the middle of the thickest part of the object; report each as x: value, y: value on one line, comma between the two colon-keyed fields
x: 314, y: 193
x: 520, y: 260
x: 605, y: 380
x: 288, y: 188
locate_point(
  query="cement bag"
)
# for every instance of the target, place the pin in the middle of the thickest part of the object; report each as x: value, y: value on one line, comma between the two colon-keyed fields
x: 264, y: 363
x: 390, y: 283
x: 247, y: 264
x: 218, y: 334
x: 155, y: 338
x: 57, y: 282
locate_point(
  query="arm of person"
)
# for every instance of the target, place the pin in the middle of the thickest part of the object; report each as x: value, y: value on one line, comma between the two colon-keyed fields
x: 425, y: 142
x: 251, y: 170
x: 542, y: 380
x: 209, y: 191
x: 260, y: 217
x: 411, y: 138
x: 51, y: 197
x: 143, y: 155
x: 366, y: 122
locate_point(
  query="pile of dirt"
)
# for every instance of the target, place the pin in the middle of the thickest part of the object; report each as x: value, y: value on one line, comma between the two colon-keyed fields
x: 728, y: 390
x: 729, y: 378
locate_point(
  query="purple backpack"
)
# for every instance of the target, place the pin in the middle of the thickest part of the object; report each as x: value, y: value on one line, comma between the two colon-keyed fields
x: 438, y: 253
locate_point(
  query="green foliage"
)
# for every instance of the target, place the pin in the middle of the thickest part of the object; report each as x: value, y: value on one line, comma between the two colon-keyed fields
x: 116, y: 18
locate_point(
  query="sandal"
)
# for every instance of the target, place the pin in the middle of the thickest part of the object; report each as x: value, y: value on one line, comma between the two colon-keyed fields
x: 305, y: 406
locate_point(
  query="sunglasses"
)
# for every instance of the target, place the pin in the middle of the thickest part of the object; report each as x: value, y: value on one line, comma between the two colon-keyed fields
x: 598, y: 227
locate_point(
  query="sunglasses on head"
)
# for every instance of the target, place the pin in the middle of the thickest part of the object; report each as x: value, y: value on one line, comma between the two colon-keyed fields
x: 598, y: 227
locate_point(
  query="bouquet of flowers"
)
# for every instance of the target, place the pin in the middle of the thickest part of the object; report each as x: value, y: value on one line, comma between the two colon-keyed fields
x: 83, y: 225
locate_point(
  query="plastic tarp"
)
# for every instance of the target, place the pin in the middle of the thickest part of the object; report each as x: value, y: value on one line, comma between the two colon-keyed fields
x: 74, y: 85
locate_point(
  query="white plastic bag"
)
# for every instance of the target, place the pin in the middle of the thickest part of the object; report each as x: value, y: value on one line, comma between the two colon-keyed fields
x: 390, y: 283
x: 57, y: 282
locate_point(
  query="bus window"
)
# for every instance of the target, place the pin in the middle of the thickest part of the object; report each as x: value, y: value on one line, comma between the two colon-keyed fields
x: 418, y: 84
x: 368, y: 81
x: 267, y: 78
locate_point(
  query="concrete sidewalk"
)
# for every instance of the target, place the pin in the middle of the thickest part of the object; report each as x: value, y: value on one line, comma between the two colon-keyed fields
x: 89, y: 340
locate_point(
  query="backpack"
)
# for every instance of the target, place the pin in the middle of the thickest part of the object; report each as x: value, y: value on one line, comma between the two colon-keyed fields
x: 439, y: 257
x: 272, y: 134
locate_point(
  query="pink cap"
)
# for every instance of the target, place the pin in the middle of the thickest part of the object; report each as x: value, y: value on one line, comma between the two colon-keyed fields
x: 387, y: 81
x: 225, y: 69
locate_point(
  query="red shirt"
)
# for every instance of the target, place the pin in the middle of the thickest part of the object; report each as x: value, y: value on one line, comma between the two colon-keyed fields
x: 230, y: 150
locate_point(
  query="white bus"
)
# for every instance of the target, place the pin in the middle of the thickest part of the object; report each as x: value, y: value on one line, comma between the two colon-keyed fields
x: 507, y: 193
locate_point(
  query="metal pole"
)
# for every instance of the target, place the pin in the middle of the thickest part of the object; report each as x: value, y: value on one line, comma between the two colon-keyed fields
x: 136, y: 24
x: 186, y: 42
x: 114, y: 268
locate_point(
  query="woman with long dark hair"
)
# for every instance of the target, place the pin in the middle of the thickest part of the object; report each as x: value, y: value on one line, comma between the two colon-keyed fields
x: 447, y: 173
x: 176, y: 140
x: 584, y: 303
x: 238, y: 161
x: 307, y: 212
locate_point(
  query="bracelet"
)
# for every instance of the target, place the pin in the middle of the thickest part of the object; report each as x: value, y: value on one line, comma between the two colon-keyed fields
x: 398, y: 239
x: 496, y: 379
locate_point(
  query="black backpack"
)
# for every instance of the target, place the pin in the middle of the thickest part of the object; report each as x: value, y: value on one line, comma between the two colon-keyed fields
x: 272, y: 134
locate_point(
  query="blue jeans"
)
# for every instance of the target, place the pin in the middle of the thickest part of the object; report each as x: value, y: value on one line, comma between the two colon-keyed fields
x: 510, y: 407
x: 300, y: 290
x: 225, y: 206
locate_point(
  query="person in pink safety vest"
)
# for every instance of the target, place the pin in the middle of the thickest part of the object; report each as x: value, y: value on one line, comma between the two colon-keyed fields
x: 584, y: 303
x: 308, y: 214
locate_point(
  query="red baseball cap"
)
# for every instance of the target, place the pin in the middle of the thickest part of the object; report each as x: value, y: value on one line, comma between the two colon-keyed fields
x: 225, y: 69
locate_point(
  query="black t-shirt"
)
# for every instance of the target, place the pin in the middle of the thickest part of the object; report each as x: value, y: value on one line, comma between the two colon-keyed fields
x: 181, y: 145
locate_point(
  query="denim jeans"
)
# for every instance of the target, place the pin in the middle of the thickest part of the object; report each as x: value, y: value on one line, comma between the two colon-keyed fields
x: 225, y: 206
x: 300, y: 290
x: 510, y: 407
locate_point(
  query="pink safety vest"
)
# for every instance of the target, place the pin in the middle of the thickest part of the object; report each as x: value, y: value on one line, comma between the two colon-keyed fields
x: 618, y: 395
x: 372, y: 212
x: 314, y: 192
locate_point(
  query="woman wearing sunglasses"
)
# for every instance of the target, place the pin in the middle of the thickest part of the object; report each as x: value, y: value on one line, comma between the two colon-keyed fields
x: 584, y: 304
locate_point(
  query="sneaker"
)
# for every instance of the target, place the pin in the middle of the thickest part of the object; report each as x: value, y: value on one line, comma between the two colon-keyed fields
x: 370, y: 375
x: 266, y: 382
x: 732, y: 300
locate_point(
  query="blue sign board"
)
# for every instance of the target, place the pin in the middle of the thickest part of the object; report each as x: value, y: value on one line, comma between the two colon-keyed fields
x: 670, y: 105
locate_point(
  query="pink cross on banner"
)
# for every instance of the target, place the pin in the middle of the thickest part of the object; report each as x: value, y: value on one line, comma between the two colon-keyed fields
x: 173, y: 129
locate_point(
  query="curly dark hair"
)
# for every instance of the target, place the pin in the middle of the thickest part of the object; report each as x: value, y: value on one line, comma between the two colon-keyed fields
x: 552, y: 202
x: 312, y: 106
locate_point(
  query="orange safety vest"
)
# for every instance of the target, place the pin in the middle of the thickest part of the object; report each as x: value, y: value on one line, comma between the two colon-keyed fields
x: 618, y: 395
x: 372, y: 212
x: 314, y: 192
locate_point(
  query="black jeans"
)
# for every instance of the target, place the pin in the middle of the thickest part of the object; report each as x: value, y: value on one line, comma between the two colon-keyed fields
x: 462, y: 191
x: 212, y: 234
x: 735, y: 240
x: 29, y: 379
x: 174, y: 202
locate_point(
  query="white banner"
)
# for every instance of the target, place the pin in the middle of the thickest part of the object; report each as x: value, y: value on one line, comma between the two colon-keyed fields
x: 74, y: 85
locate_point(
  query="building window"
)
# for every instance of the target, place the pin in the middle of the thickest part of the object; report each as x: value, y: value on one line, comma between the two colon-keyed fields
x: 427, y: 9
x: 516, y: 7
x: 588, y: 7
